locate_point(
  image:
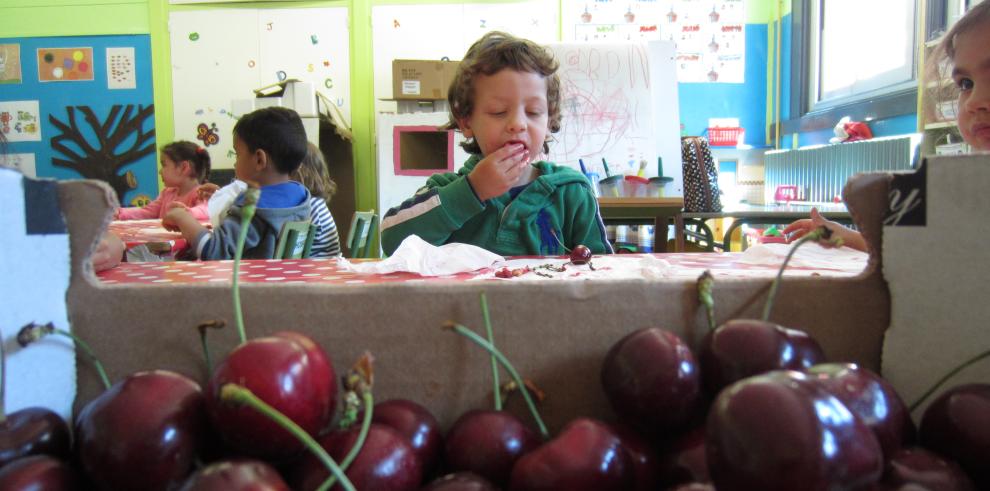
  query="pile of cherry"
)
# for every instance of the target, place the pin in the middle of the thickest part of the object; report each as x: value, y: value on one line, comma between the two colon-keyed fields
x: 754, y: 407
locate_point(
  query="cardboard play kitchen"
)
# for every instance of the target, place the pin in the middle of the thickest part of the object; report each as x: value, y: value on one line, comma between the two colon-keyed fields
x: 557, y: 335
x: 422, y: 79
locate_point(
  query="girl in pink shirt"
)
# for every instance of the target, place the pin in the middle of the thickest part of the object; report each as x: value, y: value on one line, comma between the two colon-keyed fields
x: 185, y: 165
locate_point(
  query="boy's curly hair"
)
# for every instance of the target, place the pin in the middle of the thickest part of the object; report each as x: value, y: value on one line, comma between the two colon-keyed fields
x: 487, y: 56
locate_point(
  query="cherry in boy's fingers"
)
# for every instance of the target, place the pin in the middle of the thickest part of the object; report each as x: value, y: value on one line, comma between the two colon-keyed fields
x: 206, y: 190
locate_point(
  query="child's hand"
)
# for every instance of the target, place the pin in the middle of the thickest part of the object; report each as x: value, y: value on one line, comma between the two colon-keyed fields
x: 174, y: 216
x: 499, y: 171
x: 205, y: 190
x: 108, y: 252
x: 800, y: 228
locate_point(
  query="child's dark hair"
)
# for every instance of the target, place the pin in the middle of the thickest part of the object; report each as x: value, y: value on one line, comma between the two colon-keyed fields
x: 276, y: 130
x: 939, y: 64
x: 496, y: 51
x: 196, y: 155
x: 313, y: 174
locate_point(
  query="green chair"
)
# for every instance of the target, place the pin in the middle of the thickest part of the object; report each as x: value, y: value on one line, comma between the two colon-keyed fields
x: 295, y: 240
x: 359, y: 237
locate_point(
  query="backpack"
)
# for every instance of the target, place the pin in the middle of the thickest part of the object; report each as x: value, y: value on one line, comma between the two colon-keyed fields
x: 701, y: 193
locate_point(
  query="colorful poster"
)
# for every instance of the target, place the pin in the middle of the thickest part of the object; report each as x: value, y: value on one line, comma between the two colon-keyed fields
x: 120, y: 68
x: 65, y: 64
x: 710, y: 35
x: 19, y: 121
x: 10, y: 63
x: 24, y: 162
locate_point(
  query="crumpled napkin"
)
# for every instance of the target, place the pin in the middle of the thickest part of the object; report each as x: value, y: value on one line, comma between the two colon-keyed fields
x: 811, y: 255
x: 415, y: 255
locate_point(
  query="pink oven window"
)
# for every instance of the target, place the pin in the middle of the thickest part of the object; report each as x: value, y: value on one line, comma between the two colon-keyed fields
x: 422, y: 150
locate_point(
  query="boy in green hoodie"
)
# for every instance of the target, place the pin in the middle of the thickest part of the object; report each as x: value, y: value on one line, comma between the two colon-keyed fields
x: 505, y: 98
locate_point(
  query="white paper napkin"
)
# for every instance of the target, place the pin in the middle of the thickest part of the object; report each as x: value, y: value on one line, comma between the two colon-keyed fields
x: 415, y: 255
x: 811, y: 255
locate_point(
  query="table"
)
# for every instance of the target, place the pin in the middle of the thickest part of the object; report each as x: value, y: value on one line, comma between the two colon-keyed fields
x: 769, y: 214
x: 148, y: 233
x: 807, y: 262
x: 656, y: 211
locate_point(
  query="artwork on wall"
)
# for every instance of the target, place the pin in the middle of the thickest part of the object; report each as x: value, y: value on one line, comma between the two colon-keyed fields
x: 108, y: 145
x: 710, y: 36
x: 10, y: 63
x: 19, y: 121
x: 120, y: 68
x: 23, y: 162
x: 65, y: 64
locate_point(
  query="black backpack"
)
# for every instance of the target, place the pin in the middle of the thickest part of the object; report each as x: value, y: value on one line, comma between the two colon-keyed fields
x: 701, y: 193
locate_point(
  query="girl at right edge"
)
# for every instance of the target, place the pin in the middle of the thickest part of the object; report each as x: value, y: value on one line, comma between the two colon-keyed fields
x: 964, y: 47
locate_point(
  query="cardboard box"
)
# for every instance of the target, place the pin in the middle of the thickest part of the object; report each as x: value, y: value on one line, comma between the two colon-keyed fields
x: 422, y: 79
x: 556, y: 336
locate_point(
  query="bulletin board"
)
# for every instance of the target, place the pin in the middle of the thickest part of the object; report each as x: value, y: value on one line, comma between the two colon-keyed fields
x: 222, y: 55
x: 710, y: 36
x: 81, y: 107
x: 411, y: 32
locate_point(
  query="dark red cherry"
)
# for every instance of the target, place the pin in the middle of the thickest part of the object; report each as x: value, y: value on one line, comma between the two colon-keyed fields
x: 580, y: 254
x: 924, y: 468
x: 683, y: 459
x: 488, y: 443
x: 33, y: 431
x: 236, y: 475
x: 38, y: 473
x: 461, y: 481
x: 386, y: 462
x: 957, y: 425
x: 417, y: 425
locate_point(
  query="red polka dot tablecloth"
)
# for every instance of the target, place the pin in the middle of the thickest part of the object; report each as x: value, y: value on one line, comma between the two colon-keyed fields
x: 330, y: 271
x: 145, y: 232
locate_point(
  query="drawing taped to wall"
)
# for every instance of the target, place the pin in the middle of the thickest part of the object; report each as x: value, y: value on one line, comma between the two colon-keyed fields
x: 19, y: 121
x: 120, y: 68
x: 65, y: 64
x: 10, y: 63
x: 710, y: 36
x: 123, y: 137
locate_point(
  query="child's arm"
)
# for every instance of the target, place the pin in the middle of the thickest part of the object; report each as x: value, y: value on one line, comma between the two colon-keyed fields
x: 108, y: 252
x: 150, y: 210
x: 799, y: 228
x: 180, y: 218
x: 436, y: 211
x: 587, y: 226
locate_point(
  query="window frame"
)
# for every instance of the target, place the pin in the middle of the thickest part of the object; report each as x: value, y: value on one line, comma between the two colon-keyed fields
x: 896, y: 100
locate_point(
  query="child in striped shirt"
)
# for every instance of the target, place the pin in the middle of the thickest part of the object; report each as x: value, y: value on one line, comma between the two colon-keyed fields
x: 314, y: 175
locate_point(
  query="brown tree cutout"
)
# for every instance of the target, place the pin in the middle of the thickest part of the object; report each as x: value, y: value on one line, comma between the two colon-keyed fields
x: 104, y: 158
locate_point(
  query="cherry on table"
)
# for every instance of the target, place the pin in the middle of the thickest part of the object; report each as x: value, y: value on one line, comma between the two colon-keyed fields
x: 580, y: 254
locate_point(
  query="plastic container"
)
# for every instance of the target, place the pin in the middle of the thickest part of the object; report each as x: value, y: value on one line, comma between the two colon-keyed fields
x: 644, y: 239
x: 611, y: 187
x: 594, y: 179
x: 635, y: 187
x: 655, y: 187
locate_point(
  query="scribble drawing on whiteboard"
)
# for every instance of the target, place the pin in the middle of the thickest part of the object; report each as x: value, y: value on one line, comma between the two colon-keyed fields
x: 605, y: 97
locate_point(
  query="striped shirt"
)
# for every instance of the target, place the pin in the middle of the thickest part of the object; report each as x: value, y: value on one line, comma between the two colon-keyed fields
x: 326, y: 243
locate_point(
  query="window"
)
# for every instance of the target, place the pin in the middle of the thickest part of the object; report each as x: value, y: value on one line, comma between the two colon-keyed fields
x: 851, y: 58
x: 862, y: 47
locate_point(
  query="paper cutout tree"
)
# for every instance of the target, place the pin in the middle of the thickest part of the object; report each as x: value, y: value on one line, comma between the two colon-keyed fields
x: 120, y: 140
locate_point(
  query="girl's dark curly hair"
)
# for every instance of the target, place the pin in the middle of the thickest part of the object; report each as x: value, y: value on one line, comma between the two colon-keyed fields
x: 487, y: 56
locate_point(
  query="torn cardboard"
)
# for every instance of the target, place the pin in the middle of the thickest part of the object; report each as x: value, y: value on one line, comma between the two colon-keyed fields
x: 556, y: 336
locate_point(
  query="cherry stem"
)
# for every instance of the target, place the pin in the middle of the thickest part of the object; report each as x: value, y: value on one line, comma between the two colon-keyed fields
x: 817, y: 234
x: 247, y: 213
x: 491, y: 339
x: 3, y: 381
x: 202, y: 327
x: 236, y: 394
x: 947, y: 376
x: 561, y: 244
x: 705, y: 282
x: 359, y: 380
x: 480, y: 341
x: 33, y: 332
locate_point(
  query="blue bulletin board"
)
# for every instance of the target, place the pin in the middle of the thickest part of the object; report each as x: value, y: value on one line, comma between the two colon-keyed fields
x: 81, y: 107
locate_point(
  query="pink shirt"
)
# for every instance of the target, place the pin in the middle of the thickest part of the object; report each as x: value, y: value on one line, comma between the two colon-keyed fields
x: 158, y: 207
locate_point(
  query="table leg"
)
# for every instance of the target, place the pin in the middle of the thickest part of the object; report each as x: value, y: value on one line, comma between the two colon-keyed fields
x: 661, y: 229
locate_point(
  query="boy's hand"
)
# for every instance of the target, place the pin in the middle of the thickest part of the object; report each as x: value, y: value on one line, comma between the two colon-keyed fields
x: 108, y: 252
x: 205, y: 190
x: 175, y: 216
x: 499, y: 171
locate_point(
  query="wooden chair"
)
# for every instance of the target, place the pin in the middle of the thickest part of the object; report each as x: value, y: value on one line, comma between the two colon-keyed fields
x: 359, y: 237
x: 295, y: 240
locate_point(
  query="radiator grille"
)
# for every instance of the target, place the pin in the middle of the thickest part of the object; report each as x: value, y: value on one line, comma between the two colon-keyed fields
x: 822, y: 170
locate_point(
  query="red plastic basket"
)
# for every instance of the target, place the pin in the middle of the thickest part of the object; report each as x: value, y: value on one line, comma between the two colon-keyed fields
x: 725, y: 137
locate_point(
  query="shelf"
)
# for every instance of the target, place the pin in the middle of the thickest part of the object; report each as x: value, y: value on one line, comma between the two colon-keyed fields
x: 938, y: 125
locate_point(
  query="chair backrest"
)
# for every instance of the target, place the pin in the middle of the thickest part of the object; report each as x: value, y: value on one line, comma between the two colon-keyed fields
x: 295, y: 240
x: 359, y: 237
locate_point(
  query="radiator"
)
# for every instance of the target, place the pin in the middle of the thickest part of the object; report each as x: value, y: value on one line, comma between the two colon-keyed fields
x: 821, y: 171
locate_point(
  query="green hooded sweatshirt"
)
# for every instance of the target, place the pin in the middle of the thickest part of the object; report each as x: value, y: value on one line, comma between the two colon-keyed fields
x: 557, y: 207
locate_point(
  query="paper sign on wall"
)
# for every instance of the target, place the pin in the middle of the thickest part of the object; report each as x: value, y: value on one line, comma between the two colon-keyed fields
x: 65, y: 64
x: 10, y: 63
x: 19, y: 121
x: 120, y: 68
x: 24, y: 162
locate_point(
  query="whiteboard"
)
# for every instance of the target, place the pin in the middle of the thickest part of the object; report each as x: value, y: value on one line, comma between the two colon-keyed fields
x: 222, y: 55
x: 411, y: 32
x: 619, y: 102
